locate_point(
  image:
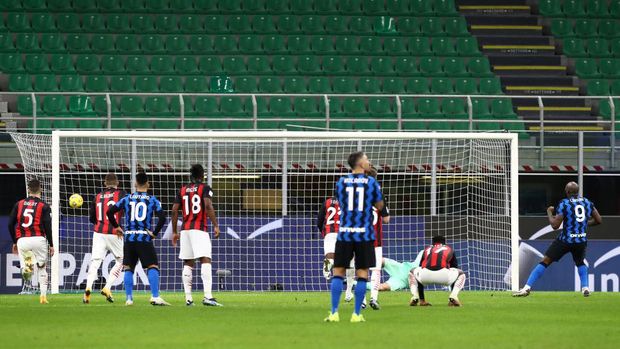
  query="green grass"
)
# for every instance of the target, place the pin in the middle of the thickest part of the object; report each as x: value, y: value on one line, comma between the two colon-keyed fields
x: 294, y: 320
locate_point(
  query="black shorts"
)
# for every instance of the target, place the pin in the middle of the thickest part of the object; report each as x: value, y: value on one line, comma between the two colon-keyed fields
x: 364, y: 253
x: 558, y: 249
x: 139, y: 251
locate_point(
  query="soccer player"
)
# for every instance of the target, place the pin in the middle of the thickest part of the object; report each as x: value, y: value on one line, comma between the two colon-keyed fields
x: 438, y: 267
x: 194, y: 200
x: 380, y: 217
x: 139, y: 208
x: 398, y: 272
x: 577, y: 213
x: 104, y: 238
x: 357, y: 193
x: 30, y: 226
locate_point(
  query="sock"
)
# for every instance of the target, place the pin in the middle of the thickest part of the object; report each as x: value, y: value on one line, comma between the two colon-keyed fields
x: 115, y: 272
x: 457, y: 286
x: 336, y: 290
x: 153, y: 274
x: 92, y: 273
x: 42, y: 280
x: 129, y: 284
x: 350, y: 273
x: 187, y: 282
x: 207, y: 279
x: 583, y: 275
x: 360, y: 293
x: 535, y: 275
x: 375, y: 279
x: 413, y: 286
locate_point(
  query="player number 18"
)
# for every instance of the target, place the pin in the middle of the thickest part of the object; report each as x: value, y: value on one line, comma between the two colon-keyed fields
x: 360, y: 198
x: 195, y: 204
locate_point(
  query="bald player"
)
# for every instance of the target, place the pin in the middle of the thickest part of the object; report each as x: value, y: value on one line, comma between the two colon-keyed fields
x: 577, y: 214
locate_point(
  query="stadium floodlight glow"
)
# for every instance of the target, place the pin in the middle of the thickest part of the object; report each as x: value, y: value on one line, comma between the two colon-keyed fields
x: 268, y: 186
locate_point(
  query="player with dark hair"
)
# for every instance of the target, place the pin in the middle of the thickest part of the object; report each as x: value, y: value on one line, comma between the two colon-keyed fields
x: 357, y: 193
x: 328, y: 220
x: 104, y: 238
x: 577, y: 214
x: 438, y: 267
x: 140, y: 207
x: 30, y: 227
x: 194, y: 200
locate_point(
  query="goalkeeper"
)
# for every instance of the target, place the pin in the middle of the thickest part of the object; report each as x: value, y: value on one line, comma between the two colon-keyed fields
x: 398, y: 272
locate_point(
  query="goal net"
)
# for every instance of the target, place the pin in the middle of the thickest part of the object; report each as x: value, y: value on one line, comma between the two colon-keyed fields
x: 268, y: 187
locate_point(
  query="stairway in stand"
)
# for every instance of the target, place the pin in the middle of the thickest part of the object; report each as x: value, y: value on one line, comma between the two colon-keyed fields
x: 526, y: 57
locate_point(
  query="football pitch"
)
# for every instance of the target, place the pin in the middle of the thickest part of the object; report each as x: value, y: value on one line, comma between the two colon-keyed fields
x: 295, y: 320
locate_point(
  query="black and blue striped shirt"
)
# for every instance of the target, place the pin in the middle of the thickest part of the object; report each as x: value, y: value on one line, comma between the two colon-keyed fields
x: 576, y: 212
x: 357, y: 194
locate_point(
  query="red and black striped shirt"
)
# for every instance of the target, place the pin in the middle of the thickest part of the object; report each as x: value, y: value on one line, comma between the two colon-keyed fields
x: 192, y: 198
x: 30, y: 217
x: 439, y: 256
x: 99, y: 210
x: 328, y: 220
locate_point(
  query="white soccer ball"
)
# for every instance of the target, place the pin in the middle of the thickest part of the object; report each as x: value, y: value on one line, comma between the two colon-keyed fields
x: 76, y: 201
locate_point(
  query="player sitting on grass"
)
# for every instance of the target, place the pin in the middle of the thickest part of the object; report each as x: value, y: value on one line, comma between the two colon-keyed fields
x: 104, y: 239
x: 357, y: 193
x: 194, y: 200
x: 577, y: 213
x: 139, y: 209
x: 30, y: 226
x: 438, y: 267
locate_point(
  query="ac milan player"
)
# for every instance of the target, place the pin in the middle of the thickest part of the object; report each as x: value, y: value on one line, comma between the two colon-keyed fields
x: 379, y: 218
x: 194, y: 200
x: 104, y: 238
x: 30, y: 226
x: 438, y: 267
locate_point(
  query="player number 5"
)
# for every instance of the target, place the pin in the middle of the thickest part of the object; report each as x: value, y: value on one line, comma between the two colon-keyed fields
x: 28, y: 214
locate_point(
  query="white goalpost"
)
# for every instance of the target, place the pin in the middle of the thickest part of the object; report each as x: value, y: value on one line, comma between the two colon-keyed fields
x: 268, y: 187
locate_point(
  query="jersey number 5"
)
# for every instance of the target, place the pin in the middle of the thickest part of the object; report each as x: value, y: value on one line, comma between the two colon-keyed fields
x: 360, y: 198
x: 28, y: 214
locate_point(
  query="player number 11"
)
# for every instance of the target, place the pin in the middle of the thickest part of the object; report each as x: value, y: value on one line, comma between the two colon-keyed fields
x: 360, y: 198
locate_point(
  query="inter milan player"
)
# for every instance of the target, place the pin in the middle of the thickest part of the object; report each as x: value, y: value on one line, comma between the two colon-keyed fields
x: 576, y: 213
x: 194, y: 200
x: 357, y: 194
x: 104, y: 238
x: 30, y: 226
x: 438, y: 267
x: 139, y: 209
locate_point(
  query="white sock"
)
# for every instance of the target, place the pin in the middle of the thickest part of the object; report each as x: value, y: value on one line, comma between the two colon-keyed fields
x: 115, y: 272
x: 375, y: 280
x: 458, y: 286
x: 207, y: 279
x: 350, y: 274
x: 42, y: 280
x: 187, y: 282
x: 92, y: 273
x: 413, y: 286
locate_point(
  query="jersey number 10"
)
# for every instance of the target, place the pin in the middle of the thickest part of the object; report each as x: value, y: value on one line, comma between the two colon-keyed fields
x: 580, y: 213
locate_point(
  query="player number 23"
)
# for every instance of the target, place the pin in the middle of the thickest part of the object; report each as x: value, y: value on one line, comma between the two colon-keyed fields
x: 360, y: 198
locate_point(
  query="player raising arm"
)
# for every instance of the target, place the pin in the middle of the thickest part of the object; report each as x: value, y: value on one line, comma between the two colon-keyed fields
x: 30, y: 226
x: 104, y: 238
x: 577, y: 213
x: 438, y: 267
x: 194, y: 200
x: 139, y: 208
x: 357, y: 193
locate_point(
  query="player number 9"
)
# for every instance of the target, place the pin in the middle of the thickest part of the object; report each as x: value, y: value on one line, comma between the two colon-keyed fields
x: 580, y: 213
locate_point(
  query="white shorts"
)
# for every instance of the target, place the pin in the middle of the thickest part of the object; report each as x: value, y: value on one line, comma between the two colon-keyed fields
x: 329, y: 243
x: 378, y: 257
x: 437, y: 277
x: 35, y: 244
x: 102, y: 243
x: 194, y: 244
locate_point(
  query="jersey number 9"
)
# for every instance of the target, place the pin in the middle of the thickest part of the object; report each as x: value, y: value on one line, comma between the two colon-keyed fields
x: 580, y: 213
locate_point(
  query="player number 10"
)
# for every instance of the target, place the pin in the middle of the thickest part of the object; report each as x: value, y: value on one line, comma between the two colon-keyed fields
x: 138, y: 211
x: 360, y: 198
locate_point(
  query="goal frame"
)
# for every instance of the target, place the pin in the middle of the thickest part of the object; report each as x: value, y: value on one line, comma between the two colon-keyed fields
x: 284, y: 136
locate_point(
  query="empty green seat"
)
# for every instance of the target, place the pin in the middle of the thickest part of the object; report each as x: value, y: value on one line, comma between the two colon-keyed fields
x: 152, y: 44
x: 360, y: 25
x: 206, y: 106
x: 336, y: 24
x: 136, y: 64
x: 101, y: 109
x: 45, y: 83
x: 302, y: 6
x: 237, y: 24
x: 162, y: 64
x: 456, y: 26
x: 24, y: 105
x: 319, y: 85
x: 233, y: 106
x: 441, y: 86
x: 288, y: 24
x: 421, y: 7
x: 479, y: 66
x: 453, y: 107
x: 428, y: 107
x: 50, y: 42
x: 480, y: 108
x: 306, y: 107
x: 146, y: 84
x: 210, y: 65
x: 102, y: 43
x: 233, y: 65
x: 502, y: 109
x: 191, y: 24
x: 131, y: 106
x: 348, y: 6
x: 430, y: 66
x: 26, y: 42
x: 284, y: 65
x: 77, y: 43
x: 597, y: 8
x: 280, y: 106
x: 157, y: 106
x: 121, y: 83
x: 259, y: 65
x: 490, y: 86
x: 182, y: 5
x: 56, y: 106
x: 71, y: 83
x: 294, y: 85
x: 431, y: 26
x: 176, y: 44
x: 43, y: 22
x: 467, y: 46
x: 550, y: 8
x: 20, y: 82
x: 263, y: 24
x: 381, y: 66
x: 59, y: 5
x: 418, y: 86
x: 393, y: 85
x: 605, y: 108
x: 347, y: 44
x: 610, y: 67
x: 196, y: 84
x: 142, y: 23
x: 185, y: 65
x: 308, y: 65
x: 614, y: 8
x: 598, y: 87
x: 200, y: 44
x: 188, y: 107
x: 343, y: 85
x: 96, y: 83
x: 573, y: 8
x: 408, y: 26
x: 269, y: 84
x: 574, y: 47
x: 250, y: 44
x: 406, y: 66
x: 295, y: 44
x: 167, y: 23
x: 586, y: 68
x: 371, y: 45
x: 615, y: 87
x: 357, y: 65
x: 108, y: 5
x: 598, y: 47
x: 17, y: 22
x: 11, y: 63
x: 225, y: 43
x: 353, y: 107
x: 586, y: 27
x: 561, y: 27
x: 311, y: 25
x: 170, y: 84
x: 61, y: 63
x: 118, y: 23
x: 245, y: 84
x: 87, y: 63
x: 382, y: 108
x: 36, y: 63
x: 322, y: 44
x: 465, y: 86
x: 395, y: 45
x: 127, y: 43
x: 455, y: 67
x: 368, y: 85
x: 216, y: 24
x: 333, y: 65
x: 420, y: 46
x: 84, y: 5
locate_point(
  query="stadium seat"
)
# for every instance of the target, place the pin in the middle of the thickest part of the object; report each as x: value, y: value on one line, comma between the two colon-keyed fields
x: 597, y: 8
x: 102, y: 43
x: 371, y: 45
x: 360, y: 25
x: 71, y: 83
x: 430, y: 66
x: 406, y: 66
x: 171, y: 84
x: 598, y: 87
x: 131, y: 106
x: 259, y: 65
x: 225, y: 43
x: 58, y: 5
x: 333, y: 65
x: 85, y: 64
x: 294, y: 85
x: 81, y: 105
x: 479, y: 66
x: 245, y: 85
x: 147, y: 84
x: 36, y: 63
x: 45, y: 83
x: 408, y: 26
x: 467, y: 46
x: 61, y: 63
x: 393, y: 85
x: 157, y: 106
x: 456, y: 26
x: 26, y: 42
x: 609, y: 27
x: 615, y: 87
x: 269, y: 84
x: 454, y: 108
x: 210, y: 65
x: 336, y: 24
x: 112, y: 64
x: 428, y: 107
x: 181, y: 5
x: 288, y: 24
x: 431, y: 26
x: 196, y: 84
x: 6, y: 42
x: 77, y: 43
x: 490, y: 86
x: 237, y: 24
x: 127, y: 44
x: 443, y: 47
x: 43, y: 22
x: 322, y: 44
x: 480, y: 108
x: 50, y: 42
x: 614, y: 9
x: 347, y: 44
x: 344, y: 85
x: 20, y: 82
x: 101, y: 109
x: 166, y: 23
x: 234, y: 65
x: 381, y: 66
x: 573, y: 8
x: 368, y: 85
x: 395, y: 46
x: 502, y: 109
x: 176, y: 44
x: 295, y: 44
x: 605, y: 108
x: 586, y: 68
x: 561, y: 27
x: 319, y: 85
x: 574, y: 47
x: 108, y: 5
x: 185, y: 65
x: 250, y: 44
x: 162, y: 65
x: 96, y: 83
x: 357, y: 65
x: 550, y: 8
x: 610, y: 67
x: 598, y: 47
x: 137, y: 65
x: 233, y: 106
x: 455, y: 67
x: 308, y: 65
x: 24, y: 105
x: 11, y: 63
x: 191, y: 24
x: 84, y: 6
x: 17, y: 22
x: 263, y: 24
x: 585, y: 27
x: 284, y: 65
x: 188, y: 107
x: 152, y: 44
x: 142, y: 23
x: 118, y: 23
x: 200, y: 44
x: 465, y: 86
x: 55, y: 105
x: 121, y: 83
x: 418, y: 86
x: 441, y: 86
